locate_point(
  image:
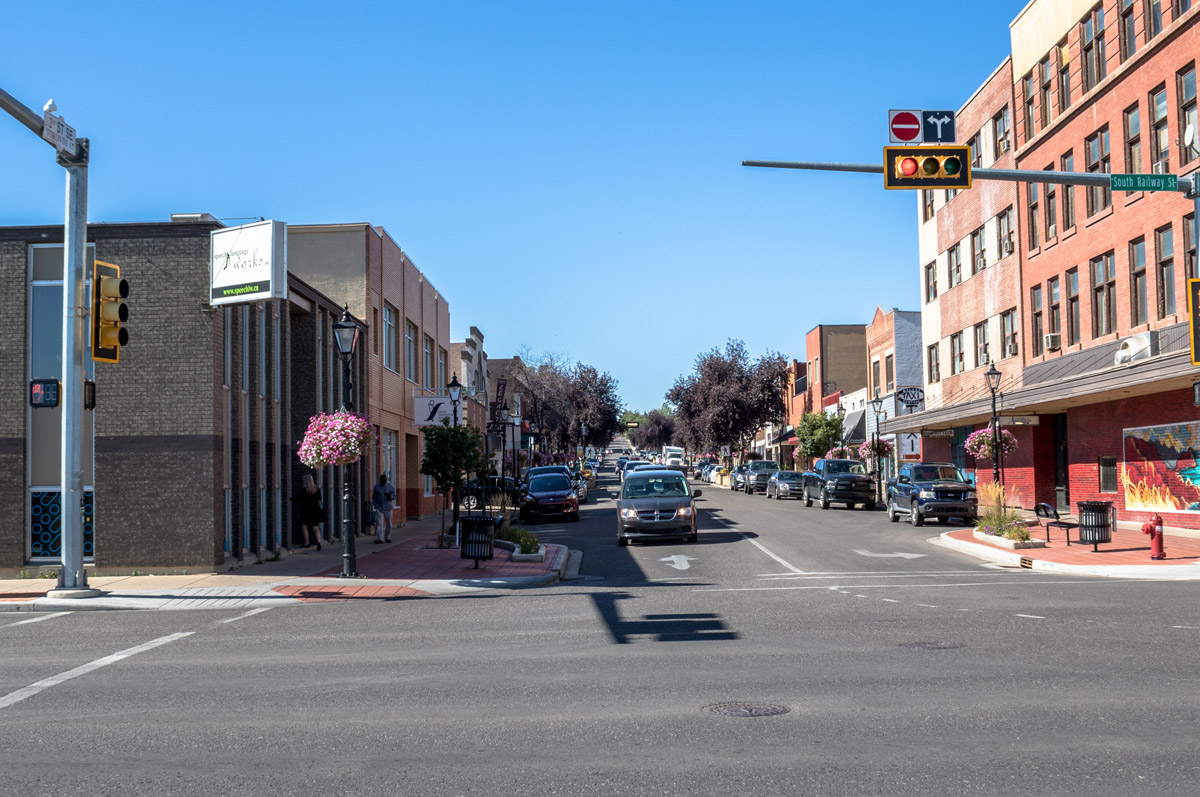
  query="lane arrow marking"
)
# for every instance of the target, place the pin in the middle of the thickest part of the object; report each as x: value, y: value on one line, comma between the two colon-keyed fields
x: 861, y: 552
x: 679, y: 561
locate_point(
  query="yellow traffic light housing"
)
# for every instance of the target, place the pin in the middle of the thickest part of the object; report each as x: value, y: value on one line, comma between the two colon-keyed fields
x: 109, y: 312
x: 946, y: 166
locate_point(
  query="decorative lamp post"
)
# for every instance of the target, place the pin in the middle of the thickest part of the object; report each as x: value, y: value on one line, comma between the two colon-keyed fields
x: 345, y: 333
x: 454, y: 389
x: 877, y: 407
x: 993, y: 381
x: 505, y: 414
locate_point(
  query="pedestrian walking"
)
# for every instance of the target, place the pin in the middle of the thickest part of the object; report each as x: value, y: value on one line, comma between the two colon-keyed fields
x: 310, y: 511
x: 383, y: 498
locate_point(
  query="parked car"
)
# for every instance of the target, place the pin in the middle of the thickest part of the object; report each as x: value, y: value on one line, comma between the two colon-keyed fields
x: 621, y: 460
x: 549, y: 495
x: 785, y: 484
x: 698, y: 469
x: 475, y: 492
x: 842, y: 481
x: 543, y: 469
x: 758, y: 474
x: 656, y: 505
x: 931, y: 489
x: 710, y: 472
x: 737, y: 477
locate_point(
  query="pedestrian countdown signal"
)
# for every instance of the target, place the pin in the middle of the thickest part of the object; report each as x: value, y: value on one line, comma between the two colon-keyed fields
x: 927, y: 167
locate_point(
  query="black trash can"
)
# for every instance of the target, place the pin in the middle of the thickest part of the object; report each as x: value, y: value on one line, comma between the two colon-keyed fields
x: 478, y: 537
x: 1095, y: 522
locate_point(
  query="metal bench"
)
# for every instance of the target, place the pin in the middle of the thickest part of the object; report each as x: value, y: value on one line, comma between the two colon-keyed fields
x: 1048, y: 517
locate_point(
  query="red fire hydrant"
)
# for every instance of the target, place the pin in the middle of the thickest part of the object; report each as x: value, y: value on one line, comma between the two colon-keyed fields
x: 1153, y: 527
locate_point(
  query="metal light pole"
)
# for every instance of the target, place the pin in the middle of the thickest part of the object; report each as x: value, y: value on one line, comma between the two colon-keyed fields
x: 345, y: 333
x: 993, y: 382
x: 877, y: 406
x: 505, y: 413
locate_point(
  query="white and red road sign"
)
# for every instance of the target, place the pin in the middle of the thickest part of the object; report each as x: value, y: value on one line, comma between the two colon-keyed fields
x: 904, y: 127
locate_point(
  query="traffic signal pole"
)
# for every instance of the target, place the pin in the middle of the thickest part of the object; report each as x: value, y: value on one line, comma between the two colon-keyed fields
x: 72, y: 578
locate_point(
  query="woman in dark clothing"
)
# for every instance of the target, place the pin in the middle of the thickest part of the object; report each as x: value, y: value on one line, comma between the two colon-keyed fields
x: 310, y: 512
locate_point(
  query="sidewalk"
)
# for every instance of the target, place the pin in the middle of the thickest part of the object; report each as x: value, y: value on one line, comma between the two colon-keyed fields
x: 1127, y: 556
x: 411, y: 566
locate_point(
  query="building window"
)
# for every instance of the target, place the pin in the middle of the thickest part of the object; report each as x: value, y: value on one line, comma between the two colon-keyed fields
x: 1052, y: 296
x: 1037, y: 330
x: 410, y: 351
x: 981, y: 344
x: 1164, y: 274
x: 1067, y: 164
x: 1160, y: 143
x: 1104, y: 295
x: 889, y: 372
x: 1096, y: 155
x: 931, y: 282
x: 1154, y: 18
x: 927, y: 204
x: 1127, y: 32
x: 441, y: 372
x: 976, y: 145
x: 1092, y: 42
x: 931, y: 360
x: 1072, y: 307
x: 979, y: 250
x: 954, y: 264
x: 1138, y: 313
x: 1051, y: 215
x: 389, y: 337
x: 1108, y: 474
x: 951, y: 193
x: 1047, y: 77
x: 1008, y: 333
x: 875, y: 377
x: 1000, y: 133
x: 389, y: 454
x: 1004, y: 223
x: 1181, y: 6
x: 957, y: 356
x: 1028, y: 107
x: 1133, y: 141
x: 1033, y: 215
x: 1064, y: 76
x: 1189, y: 247
x: 1187, y: 115
x: 427, y: 363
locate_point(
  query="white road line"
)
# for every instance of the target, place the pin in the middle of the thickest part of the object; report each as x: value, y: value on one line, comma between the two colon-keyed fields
x: 35, y: 619
x: 765, y: 550
x: 1189, y: 627
x: 919, y: 586
x: 860, y: 596
x: 84, y: 669
x: 927, y: 605
x: 1030, y: 616
x: 889, y: 600
x: 250, y: 613
x: 812, y: 576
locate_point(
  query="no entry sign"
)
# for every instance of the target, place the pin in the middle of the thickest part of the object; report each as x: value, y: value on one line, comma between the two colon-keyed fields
x: 904, y: 127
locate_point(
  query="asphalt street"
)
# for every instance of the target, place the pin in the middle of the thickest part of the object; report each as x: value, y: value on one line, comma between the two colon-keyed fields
x: 904, y: 668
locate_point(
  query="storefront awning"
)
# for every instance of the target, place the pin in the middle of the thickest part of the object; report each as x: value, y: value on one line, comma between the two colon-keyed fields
x: 783, y: 438
x: 854, y: 427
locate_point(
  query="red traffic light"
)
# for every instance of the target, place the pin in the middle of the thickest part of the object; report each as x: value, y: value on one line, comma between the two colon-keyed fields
x: 908, y: 167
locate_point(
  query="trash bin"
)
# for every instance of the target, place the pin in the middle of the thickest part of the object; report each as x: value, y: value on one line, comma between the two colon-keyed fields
x: 478, y: 537
x: 1095, y: 522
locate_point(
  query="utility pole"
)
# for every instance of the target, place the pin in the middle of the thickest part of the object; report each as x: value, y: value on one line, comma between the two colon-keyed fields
x: 72, y: 154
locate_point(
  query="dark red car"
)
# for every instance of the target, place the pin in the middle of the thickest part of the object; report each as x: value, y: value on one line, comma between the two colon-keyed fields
x: 549, y: 495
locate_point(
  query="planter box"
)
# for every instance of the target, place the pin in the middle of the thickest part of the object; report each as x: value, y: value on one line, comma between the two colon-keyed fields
x: 540, y: 556
x: 1005, y: 542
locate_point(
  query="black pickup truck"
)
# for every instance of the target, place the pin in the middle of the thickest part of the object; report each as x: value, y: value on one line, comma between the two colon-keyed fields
x: 842, y: 481
x: 931, y: 490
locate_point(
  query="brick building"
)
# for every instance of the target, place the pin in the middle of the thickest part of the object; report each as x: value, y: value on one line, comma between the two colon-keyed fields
x: 894, y: 359
x: 836, y: 363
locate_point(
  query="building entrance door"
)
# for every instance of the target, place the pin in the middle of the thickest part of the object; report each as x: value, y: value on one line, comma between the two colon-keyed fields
x: 1062, y: 481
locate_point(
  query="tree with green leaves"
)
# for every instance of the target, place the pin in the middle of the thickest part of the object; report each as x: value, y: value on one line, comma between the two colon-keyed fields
x: 451, y: 453
x: 817, y: 433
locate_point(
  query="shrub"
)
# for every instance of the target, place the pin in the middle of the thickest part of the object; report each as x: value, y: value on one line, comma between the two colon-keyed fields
x: 522, y: 537
x: 995, y: 517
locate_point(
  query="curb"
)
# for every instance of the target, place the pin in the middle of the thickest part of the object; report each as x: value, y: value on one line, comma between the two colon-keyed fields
x: 1190, y: 572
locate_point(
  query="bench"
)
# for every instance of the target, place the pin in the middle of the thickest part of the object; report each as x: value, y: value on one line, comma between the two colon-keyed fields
x: 1048, y: 517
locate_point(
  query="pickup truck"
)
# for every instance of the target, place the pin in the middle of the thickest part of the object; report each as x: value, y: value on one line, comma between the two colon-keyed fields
x: 842, y: 481
x: 757, y: 475
x: 931, y: 490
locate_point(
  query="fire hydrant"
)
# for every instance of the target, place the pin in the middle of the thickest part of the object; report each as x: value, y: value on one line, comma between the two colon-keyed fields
x: 1153, y: 527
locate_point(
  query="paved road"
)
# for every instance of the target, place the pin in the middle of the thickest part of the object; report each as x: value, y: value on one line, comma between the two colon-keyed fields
x: 901, y: 675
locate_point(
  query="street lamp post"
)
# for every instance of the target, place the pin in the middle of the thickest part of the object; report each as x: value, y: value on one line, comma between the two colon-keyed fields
x: 993, y: 382
x: 345, y: 333
x: 454, y: 390
x: 505, y: 414
x: 877, y: 407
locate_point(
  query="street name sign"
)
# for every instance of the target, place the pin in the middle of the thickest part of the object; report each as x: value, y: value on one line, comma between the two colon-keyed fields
x: 59, y: 133
x: 1143, y: 182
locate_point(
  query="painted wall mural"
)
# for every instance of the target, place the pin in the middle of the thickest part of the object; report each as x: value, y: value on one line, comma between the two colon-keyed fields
x: 1160, y: 472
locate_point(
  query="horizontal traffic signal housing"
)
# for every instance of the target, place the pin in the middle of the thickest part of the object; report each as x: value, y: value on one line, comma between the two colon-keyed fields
x: 947, y: 166
x: 109, y: 312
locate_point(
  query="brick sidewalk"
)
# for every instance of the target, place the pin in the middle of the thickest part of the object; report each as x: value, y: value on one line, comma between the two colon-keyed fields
x: 1128, y: 547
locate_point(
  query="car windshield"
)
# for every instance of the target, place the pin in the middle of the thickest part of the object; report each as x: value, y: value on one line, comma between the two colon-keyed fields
x: 933, y: 473
x: 549, y: 483
x: 663, y: 486
x: 787, y: 475
x: 764, y: 464
x: 835, y: 466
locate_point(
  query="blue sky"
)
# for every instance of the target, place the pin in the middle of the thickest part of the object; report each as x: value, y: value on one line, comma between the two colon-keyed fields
x: 567, y: 174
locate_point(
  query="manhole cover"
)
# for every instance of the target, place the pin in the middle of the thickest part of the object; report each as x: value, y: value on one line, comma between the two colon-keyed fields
x: 746, y: 709
x: 933, y: 645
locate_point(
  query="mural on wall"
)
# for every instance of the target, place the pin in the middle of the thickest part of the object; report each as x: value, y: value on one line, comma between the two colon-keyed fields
x: 1160, y: 472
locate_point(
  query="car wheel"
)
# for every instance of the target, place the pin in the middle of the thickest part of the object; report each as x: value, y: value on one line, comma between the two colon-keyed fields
x: 693, y: 538
x: 914, y: 516
x: 621, y: 541
x: 851, y: 506
x: 575, y: 517
x: 824, y: 499
x: 942, y: 521
x: 471, y: 502
x: 870, y: 506
x: 891, y: 512
x: 807, y: 498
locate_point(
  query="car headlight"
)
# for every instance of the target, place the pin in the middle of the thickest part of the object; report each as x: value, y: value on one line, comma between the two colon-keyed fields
x: 687, y: 511
x: 629, y: 514
x: 970, y: 495
x: 926, y: 494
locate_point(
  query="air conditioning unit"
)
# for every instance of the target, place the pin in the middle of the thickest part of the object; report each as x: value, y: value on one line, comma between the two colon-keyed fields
x: 1051, y: 232
x: 1010, y: 348
x: 1004, y: 145
x: 980, y: 262
x: 1141, y: 346
x: 983, y: 358
x: 1052, y: 341
x: 935, y: 375
x: 1160, y: 167
x: 1007, y: 245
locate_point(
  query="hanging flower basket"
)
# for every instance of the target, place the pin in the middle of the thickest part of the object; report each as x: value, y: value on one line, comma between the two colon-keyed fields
x: 883, y: 448
x: 338, y: 438
x: 841, y: 452
x: 979, y: 443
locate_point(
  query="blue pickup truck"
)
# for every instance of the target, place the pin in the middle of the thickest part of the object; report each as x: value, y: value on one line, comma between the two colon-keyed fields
x: 931, y: 490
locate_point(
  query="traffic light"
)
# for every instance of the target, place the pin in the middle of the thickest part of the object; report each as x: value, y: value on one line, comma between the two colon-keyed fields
x: 927, y: 167
x: 109, y: 311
